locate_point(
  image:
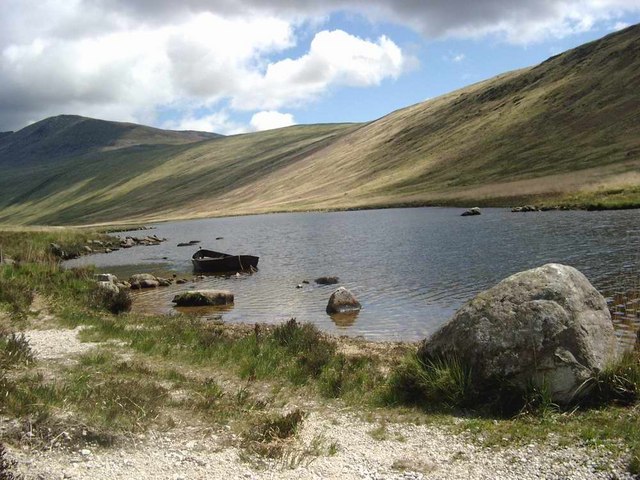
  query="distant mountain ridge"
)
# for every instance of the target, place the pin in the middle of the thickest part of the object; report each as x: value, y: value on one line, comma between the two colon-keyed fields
x: 566, y: 131
x: 72, y: 135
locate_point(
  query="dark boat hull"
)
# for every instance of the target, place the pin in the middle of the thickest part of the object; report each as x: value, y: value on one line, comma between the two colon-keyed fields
x: 231, y: 263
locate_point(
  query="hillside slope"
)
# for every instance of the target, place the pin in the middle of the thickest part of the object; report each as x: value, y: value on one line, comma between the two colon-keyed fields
x: 566, y: 129
x: 71, y: 135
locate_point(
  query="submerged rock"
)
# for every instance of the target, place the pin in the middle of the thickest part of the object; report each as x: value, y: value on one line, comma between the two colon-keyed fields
x: 143, y: 280
x: 342, y: 301
x: 198, y: 298
x: 547, y: 326
x: 327, y: 280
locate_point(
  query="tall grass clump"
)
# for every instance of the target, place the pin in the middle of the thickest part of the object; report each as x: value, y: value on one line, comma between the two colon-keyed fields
x: 433, y: 384
x: 618, y: 383
x: 15, y: 350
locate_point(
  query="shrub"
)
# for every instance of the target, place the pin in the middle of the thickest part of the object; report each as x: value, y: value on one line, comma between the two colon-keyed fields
x: 267, y: 437
x: 115, y: 302
x: 15, y: 350
x: 310, y: 349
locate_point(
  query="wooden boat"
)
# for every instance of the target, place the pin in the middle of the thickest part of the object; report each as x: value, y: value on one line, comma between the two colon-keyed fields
x: 211, y: 261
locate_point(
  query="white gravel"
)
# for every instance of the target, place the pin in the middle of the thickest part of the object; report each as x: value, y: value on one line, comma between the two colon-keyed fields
x: 57, y: 344
x: 423, y: 451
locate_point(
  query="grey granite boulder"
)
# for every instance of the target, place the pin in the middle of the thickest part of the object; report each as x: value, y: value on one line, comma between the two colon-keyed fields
x: 342, y: 301
x: 547, y: 326
x: 199, y: 298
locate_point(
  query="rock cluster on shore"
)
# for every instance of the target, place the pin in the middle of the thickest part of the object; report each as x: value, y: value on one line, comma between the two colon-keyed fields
x: 99, y: 246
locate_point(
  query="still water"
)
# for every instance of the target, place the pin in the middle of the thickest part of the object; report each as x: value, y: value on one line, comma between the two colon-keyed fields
x: 410, y: 268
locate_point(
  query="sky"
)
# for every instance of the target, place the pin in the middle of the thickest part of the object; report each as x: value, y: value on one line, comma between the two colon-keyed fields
x: 236, y: 66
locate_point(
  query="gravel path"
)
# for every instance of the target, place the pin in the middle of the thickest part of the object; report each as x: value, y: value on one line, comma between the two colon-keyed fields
x: 55, y: 344
x: 406, y: 452
x: 330, y: 444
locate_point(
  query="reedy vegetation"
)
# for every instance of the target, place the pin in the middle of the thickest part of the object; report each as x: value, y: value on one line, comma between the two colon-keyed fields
x: 109, y: 397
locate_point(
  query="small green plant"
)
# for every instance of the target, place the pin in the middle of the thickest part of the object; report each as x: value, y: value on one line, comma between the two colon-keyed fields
x: 15, y: 350
x: 379, y: 433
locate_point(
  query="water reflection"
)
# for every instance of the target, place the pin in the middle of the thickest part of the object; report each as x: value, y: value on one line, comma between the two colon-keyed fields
x: 344, y: 320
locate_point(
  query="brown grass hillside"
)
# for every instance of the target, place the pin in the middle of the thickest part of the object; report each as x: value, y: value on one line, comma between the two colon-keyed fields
x: 565, y: 131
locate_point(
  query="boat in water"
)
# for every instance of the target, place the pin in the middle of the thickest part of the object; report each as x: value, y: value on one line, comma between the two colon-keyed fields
x: 210, y: 261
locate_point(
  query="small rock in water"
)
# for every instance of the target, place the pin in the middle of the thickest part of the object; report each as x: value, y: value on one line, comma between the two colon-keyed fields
x: 299, y: 285
x: 201, y: 298
x: 327, y: 280
x: 341, y: 301
x: 471, y: 212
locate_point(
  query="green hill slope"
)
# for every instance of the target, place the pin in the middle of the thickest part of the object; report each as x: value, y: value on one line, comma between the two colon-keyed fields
x: 71, y: 135
x: 567, y: 130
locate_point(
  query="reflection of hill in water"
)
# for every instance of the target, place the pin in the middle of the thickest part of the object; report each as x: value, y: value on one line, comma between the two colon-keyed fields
x: 344, y: 320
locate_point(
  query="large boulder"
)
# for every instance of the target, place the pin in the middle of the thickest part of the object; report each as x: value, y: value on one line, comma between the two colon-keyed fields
x: 200, y: 298
x: 343, y: 301
x: 547, y: 326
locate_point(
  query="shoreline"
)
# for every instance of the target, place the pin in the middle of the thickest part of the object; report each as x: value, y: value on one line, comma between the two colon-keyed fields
x: 142, y: 223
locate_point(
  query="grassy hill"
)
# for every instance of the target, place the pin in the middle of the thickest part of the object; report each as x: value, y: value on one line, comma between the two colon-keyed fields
x: 564, y: 131
x: 67, y: 136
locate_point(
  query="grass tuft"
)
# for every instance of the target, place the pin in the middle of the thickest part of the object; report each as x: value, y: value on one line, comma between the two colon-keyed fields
x: 15, y: 350
x: 433, y: 384
x: 268, y: 437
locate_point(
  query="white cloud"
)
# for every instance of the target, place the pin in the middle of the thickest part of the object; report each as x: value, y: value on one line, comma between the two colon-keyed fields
x: 335, y: 58
x: 458, y: 58
x: 266, y: 120
x: 217, y: 122
x: 132, y: 68
x: 124, y: 60
x: 620, y: 26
